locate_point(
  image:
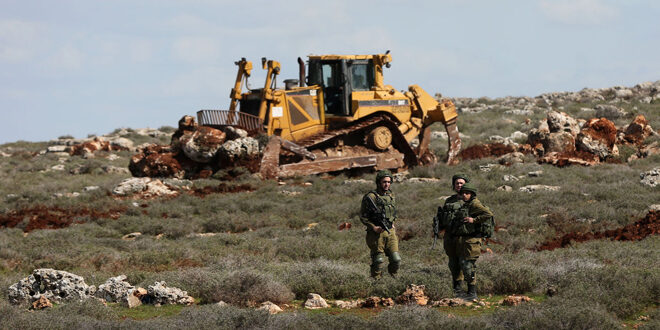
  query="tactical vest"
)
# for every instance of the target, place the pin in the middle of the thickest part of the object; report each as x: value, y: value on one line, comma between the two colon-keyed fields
x: 458, y: 226
x: 447, y: 214
x: 386, y: 204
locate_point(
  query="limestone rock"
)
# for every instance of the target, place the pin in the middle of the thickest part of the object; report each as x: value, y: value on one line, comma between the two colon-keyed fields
x: 505, y: 188
x: 239, y: 149
x: 539, y: 187
x: 41, y: 303
x: 650, y: 178
x: 637, y: 131
x: 202, y: 145
x: 270, y: 307
x: 598, y: 137
x: 315, y: 301
x: 609, y: 111
x: 349, y: 304
x: 414, y: 294
x: 114, y: 289
x: 143, y: 187
x: 450, y: 302
x: 55, y: 285
x: 371, y: 302
x: 562, y: 122
x: 559, y: 142
x: 158, y: 161
x: 515, y: 300
x: 563, y: 159
x: 511, y: 158
x: 234, y: 133
x: 160, y: 294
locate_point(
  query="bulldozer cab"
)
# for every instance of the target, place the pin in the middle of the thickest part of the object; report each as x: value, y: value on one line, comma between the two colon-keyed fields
x: 338, y: 79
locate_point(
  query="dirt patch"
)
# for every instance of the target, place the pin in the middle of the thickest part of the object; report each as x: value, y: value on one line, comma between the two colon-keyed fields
x: 44, y: 217
x: 221, y: 188
x: 649, y: 225
x: 485, y: 150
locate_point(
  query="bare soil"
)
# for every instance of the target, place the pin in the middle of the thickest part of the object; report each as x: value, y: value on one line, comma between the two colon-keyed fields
x: 649, y: 225
x: 43, y: 217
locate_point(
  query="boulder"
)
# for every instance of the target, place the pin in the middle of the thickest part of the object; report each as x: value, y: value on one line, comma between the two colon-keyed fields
x: 559, y: 142
x: 637, y: 131
x: 371, y: 302
x: 186, y: 124
x: 414, y: 294
x: 234, y: 133
x: 562, y: 122
x: 159, y: 161
x: 202, y: 145
x: 115, y: 289
x: 505, y: 188
x: 349, y: 304
x: 143, y: 187
x: 54, y: 285
x: 160, y: 294
x: 242, y: 148
x: 315, y: 301
x: 122, y: 143
x: 598, y: 136
x: 270, y: 307
x: 512, y: 158
x: 609, y: 111
x: 650, y: 178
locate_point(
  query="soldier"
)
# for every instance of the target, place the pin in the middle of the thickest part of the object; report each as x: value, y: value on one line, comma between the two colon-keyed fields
x: 378, y: 213
x: 469, y: 228
x: 450, y: 242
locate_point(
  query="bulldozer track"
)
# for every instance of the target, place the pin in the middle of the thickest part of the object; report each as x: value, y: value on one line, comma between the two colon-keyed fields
x: 398, y: 140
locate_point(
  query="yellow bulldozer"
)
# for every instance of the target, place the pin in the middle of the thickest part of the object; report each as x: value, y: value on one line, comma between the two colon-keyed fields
x: 338, y: 116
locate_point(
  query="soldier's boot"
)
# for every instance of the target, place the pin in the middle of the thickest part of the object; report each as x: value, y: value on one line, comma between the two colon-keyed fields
x: 394, y: 262
x: 471, y: 293
x: 458, y: 289
x: 377, y: 261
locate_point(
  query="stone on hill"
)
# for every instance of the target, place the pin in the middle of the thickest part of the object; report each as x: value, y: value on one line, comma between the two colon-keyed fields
x: 315, y: 301
x: 55, y: 285
x: 562, y: 122
x: 202, y: 145
x: 115, y: 289
x: 414, y: 294
x: 609, y: 111
x: 160, y: 294
x: 270, y: 307
x: 598, y: 136
x: 650, y: 178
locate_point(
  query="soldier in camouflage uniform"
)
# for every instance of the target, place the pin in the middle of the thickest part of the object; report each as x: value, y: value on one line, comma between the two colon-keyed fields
x: 467, y: 227
x: 450, y: 242
x: 380, y: 242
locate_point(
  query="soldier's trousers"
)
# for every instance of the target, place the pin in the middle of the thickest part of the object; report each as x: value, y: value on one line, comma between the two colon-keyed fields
x: 381, y: 245
x: 469, y: 249
x: 451, y: 246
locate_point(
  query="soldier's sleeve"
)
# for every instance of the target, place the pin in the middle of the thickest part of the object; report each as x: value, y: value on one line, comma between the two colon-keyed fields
x: 365, y: 213
x: 479, y: 212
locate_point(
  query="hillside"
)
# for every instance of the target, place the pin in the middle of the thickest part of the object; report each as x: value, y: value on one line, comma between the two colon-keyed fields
x: 576, y: 230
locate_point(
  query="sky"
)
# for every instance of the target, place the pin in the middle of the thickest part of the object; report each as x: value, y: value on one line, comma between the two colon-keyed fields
x: 84, y: 67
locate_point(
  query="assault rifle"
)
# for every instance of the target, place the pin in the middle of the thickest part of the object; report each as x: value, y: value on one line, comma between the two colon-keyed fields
x: 436, y: 230
x: 378, y: 216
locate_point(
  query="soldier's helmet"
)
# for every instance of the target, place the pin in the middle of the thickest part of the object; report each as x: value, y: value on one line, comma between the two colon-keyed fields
x: 459, y: 176
x: 383, y: 174
x: 469, y: 188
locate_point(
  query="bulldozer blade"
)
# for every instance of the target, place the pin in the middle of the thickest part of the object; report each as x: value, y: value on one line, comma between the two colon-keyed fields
x: 454, y: 142
x: 270, y: 160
